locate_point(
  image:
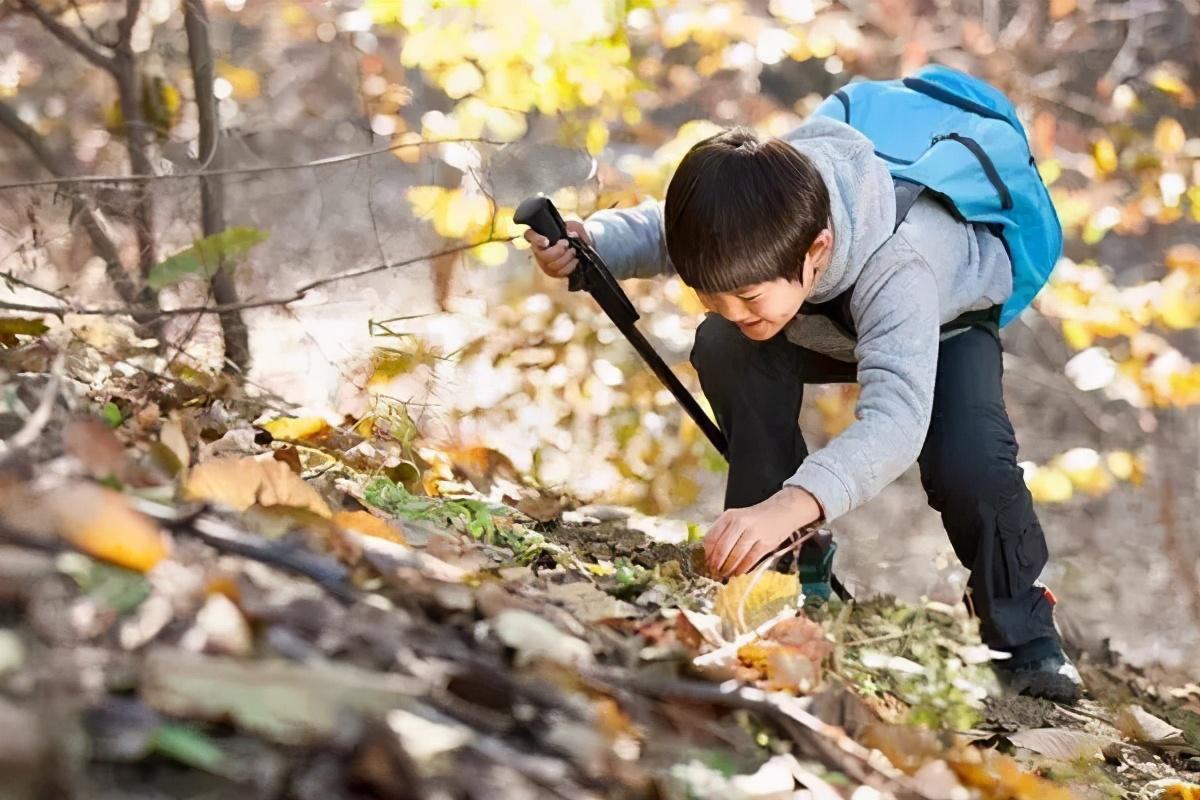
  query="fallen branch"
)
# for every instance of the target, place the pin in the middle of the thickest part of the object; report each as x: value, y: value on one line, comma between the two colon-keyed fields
x: 325, y: 572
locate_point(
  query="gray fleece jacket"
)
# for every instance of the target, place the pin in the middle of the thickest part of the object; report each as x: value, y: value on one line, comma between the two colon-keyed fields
x: 905, y: 286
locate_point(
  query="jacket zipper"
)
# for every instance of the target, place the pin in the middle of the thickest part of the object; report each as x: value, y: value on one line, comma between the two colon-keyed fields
x: 989, y: 169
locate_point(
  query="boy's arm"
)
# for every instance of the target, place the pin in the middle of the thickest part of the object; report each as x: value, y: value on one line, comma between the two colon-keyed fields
x: 896, y: 313
x: 632, y: 241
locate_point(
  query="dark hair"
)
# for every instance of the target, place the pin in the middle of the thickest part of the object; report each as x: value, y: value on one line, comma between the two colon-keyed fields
x: 741, y: 210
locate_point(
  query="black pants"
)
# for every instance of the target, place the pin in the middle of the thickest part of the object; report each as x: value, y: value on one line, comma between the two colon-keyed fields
x: 968, y: 462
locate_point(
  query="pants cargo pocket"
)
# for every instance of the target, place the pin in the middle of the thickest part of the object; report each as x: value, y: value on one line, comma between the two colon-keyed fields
x: 1022, y: 545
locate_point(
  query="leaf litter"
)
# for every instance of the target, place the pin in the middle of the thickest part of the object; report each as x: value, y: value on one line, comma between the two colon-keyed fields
x: 203, y: 595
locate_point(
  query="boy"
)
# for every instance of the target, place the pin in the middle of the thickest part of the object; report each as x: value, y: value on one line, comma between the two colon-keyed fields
x: 768, y: 231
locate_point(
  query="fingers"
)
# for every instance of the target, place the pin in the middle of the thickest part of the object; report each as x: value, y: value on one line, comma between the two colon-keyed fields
x: 738, y: 554
x: 720, y: 541
x: 563, y: 264
x: 557, y: 260
x: 756, y: 554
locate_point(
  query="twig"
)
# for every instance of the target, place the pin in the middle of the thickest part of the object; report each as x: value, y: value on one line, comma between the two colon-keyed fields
x: 37, y: 421
x: 325, y: 572
x: 67, y: 36
x: 174, y: 176
x: 61, y: 167
x: 297, y: 294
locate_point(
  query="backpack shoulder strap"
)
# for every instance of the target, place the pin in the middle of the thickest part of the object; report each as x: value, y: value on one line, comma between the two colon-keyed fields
x: 838, y: 308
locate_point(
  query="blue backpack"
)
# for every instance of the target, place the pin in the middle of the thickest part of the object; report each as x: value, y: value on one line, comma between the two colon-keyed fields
x: 959, y: 137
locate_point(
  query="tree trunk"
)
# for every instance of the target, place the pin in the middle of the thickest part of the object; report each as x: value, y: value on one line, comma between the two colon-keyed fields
x: 212, y: 188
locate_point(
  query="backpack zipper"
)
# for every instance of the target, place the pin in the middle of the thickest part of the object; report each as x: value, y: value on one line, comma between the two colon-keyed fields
x: 989, y: 169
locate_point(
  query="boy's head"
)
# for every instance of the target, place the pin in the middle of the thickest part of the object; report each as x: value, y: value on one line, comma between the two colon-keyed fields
x: 747, y: 225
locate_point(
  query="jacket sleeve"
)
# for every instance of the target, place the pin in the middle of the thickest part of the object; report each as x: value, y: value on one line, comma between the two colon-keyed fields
x: 632, y: 241
x: 896, y: 314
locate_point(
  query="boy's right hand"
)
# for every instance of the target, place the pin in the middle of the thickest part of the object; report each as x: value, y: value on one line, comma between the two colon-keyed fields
x: 557, y: 259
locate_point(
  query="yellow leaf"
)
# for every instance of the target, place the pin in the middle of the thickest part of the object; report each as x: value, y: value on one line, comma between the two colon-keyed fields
x: 491, y: 254
x: 366, y: 523
x: 295, y: 429
x: 1125, y: 466
x: 1170, y: 83
x: 461, y: 80
x: 597, y: 136
x: 1104, y: 153
x: 101, y: 523
x: 1169, y: 136
x: 748, y: 601
x: 1049, y: 485
x: 242, y: 482
x: 1077, y: 334
x: 1061, y: 8
x: 1185, y: 257
x: 244, y: 81
x: 1085, y: 470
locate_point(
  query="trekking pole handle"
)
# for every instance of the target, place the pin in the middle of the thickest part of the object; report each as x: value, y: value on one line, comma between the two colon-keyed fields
x: 591, y: 275
x: 540, y: 214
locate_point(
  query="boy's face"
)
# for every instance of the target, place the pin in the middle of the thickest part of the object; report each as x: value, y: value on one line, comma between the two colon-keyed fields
x: 762, y: 310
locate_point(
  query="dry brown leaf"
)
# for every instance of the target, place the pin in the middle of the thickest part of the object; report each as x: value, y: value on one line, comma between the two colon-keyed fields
x: 1140, y: 725
x: 173, y: 439
x: 747, y: 601
x: 482, y: 465
x: 369, y: 524
x: 101, y: 453
x: 1059, y: 743
x: 242, y: 482
x: 101, y: 523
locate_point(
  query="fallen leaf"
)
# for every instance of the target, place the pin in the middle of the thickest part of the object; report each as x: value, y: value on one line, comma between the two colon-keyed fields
x: 101, y: 523
x: 589, y: 604
x: 482, y: 465
x: 101, y: 453
x: 242, y: 482
x: 1170, y: 789
x: 747, y: 601
x: 295, y: 429
x: 1060, y: 743
x: 282, y: 701
x: 173, y: 439
x: 1142, y: 726
x: 367, y: 523
x: 536, y: 638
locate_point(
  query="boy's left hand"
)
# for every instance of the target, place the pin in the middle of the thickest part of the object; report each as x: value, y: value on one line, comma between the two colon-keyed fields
x: 741, y: 537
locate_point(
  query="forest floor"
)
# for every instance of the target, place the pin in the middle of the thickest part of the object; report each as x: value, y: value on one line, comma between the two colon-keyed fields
x: 202, y: 596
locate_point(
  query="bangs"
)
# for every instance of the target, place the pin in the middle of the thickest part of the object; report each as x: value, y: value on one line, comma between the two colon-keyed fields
x: 740, y: 211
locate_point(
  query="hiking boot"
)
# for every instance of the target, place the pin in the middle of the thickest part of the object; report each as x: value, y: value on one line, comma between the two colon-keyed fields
x: 814, y: 568
x: 1040, y: 669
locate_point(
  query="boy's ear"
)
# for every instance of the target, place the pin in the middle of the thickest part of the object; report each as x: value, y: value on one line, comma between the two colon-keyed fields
x: 818, y: 255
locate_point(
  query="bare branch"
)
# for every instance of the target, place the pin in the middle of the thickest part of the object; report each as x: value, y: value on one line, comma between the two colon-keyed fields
x: 125, y: 27
x: 320, y: 162
x: 297, y: 294
x: 63, y: 166
x: 67, y: 36
x: 91, y: 32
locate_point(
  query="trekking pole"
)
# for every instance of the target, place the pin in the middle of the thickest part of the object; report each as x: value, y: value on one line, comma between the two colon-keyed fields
x: 592, y: 276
